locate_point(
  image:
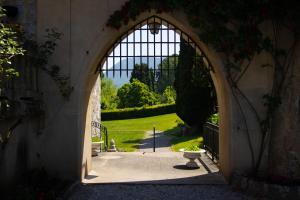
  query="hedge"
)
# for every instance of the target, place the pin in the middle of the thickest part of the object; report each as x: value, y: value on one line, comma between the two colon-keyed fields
x: 131, y: 113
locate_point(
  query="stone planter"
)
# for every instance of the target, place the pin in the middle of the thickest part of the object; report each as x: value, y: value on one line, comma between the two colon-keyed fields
x: 96, y: 148
x: 192, y: 156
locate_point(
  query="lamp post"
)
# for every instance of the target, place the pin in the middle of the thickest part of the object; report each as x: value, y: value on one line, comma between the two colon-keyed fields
x: 154, y: 27
x: 154, y: 145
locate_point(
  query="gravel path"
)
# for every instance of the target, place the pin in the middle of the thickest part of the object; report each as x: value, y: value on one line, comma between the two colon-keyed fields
x: 156, y: 192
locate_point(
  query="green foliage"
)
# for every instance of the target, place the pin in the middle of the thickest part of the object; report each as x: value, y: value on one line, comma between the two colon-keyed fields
x: 169, y: 95
x: 130, y: 113
x: 192, y: 148
x: 10, y: 48
x: 214, y: 119
x: 143, y: 74
x: 109, y: 99
x: 136, y: 94
x: 196, y: 99
x: 166, y: 74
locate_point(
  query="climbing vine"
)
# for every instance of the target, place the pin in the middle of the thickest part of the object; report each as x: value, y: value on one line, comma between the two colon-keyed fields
x: 39, y: 55
x: 17, y: 50
x: 233, y: 28
x: 10, y: 48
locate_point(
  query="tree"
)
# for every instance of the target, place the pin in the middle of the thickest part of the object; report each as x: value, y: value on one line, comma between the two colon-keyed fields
x: 169, y: 95
x: 196, y: 99
x: 136, y: 94
x: 166, y: 73
x: 9, y: 49
x: 109, y: 99
x: 143, y: 74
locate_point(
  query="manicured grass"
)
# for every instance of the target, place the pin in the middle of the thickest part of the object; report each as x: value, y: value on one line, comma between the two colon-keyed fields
x: 126, y: 140
x: 182, y: 142
x: 128, y: 133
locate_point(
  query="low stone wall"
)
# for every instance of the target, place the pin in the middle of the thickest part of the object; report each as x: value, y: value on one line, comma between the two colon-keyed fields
x: 263, y: 189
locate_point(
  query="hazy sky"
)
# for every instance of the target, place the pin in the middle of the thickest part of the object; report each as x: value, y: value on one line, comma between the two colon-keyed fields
x: 141, y: 49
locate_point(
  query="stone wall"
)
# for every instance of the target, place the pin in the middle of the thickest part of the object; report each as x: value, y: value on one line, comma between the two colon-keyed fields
x: 285, y: 142
x: 86, y: 40
x: 27, y: 14
x: 64, y: 147
x: 96, y: 105
x: 15, y: 155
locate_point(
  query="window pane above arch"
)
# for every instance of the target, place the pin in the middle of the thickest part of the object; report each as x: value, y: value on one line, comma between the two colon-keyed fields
x: 124, y: 49
x: 164, y: 34
x: 144, y: 36
x: 110, y: 62
x: 157, y: 50
x: 116, y: 51
x: 130, y: 49
x: 137, y: 36
x: 151, y: 49
x: 130, y: 37
x: 140, y: 45
x: 157, y: 38
x: 150, y: 37
x: 165, y: 49
x: 145, y: 49
x: 171, y: 37
x: 137, y: 48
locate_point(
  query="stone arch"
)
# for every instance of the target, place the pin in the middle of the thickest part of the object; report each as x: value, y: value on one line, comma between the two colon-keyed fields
x: 229, y: 162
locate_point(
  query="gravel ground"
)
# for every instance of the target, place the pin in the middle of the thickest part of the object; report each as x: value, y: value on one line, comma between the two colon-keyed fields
x: 156, y: 192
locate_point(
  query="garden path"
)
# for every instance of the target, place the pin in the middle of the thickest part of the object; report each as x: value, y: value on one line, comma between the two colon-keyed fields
x: 162, y: 142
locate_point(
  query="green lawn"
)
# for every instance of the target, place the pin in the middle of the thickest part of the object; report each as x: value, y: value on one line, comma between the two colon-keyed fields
x: 128, y: 133
x: 180, y: 142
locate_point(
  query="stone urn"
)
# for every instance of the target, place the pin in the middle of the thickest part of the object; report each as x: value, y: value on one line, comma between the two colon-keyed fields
x: 192, y: 156
x: 96, y: 148
x: 112, y: 146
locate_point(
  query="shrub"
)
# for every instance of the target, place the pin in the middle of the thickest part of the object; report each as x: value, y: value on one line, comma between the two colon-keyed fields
x: 169, y: 95
x: 214, y: 119
x: 109, y: 99
x: 136, y: 94
x: 131, y: 113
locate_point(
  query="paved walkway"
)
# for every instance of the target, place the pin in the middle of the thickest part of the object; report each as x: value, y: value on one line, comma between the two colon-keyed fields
x: 162, y: 142
x: 154, y: 168
x: 148, y: 175
x: 145, y: 166
x: 156, y: 192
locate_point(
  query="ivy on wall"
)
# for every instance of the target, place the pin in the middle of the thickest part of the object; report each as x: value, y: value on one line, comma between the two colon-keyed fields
x: 233, y: 28
x: 39, y: 57
x: 16, y: 48
x: 10, y: 48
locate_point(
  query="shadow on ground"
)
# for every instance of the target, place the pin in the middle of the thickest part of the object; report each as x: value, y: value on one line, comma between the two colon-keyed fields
x: 205, y: 179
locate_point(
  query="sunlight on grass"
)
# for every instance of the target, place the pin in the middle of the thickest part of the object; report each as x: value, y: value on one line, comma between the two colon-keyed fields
x: 178, y: 141
x: 128, y: 133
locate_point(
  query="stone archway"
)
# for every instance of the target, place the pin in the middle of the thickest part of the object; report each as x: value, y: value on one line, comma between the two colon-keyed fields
x: 86, y: 40
x: 218, y: 77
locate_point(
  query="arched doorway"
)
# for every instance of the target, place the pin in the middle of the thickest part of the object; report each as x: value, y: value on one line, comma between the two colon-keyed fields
x: 213, y: 61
